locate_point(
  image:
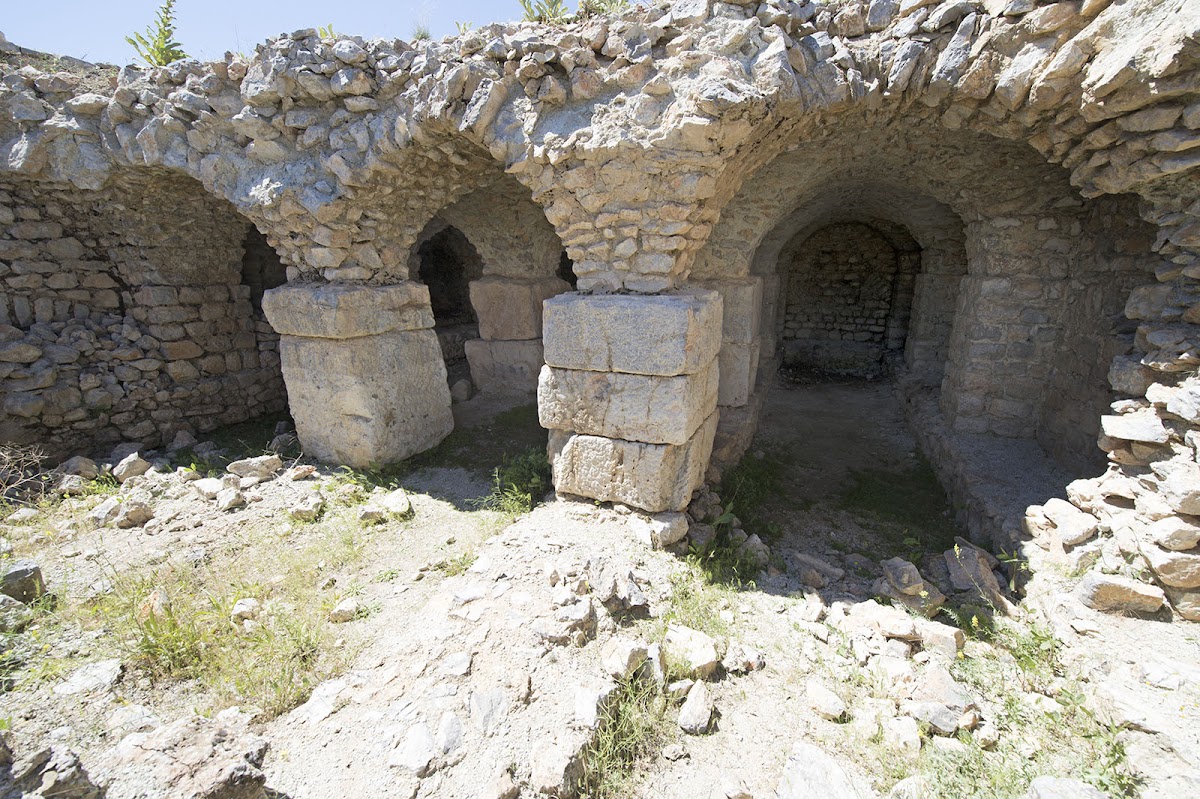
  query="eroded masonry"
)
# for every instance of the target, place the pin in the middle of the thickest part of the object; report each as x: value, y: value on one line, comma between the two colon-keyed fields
x: 641, y: 218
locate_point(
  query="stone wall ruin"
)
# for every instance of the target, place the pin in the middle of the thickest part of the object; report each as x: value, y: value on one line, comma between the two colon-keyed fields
x: 127, y: 315
x: 1032, y: 164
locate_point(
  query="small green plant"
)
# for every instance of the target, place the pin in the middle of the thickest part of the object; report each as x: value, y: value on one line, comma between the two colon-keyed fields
x: 548, y: 12
x: 326, y: 31
x: 387, y: 576
x: 519, y: 483
x: 463, y: 27
x: 722, y: 560
x: 695, y: 603
x: 158, y: 47
x: 169, y: 646
x: 457, y: 565
x: 421, y: 32
x: 600, y: 8
x: 633, y: 725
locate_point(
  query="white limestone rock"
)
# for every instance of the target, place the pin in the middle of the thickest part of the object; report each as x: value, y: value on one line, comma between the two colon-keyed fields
x: 646, y: 408
x: 695, y: 717
x: 1111, y: 592
x: 691, y: 650
x: 666, y: 334
x: 652, y: 477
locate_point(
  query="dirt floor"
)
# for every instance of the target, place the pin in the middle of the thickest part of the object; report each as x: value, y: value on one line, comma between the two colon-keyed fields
x: 478, y: 659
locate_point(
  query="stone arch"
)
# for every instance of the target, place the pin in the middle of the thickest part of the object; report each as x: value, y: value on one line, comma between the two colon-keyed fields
x: 507, y: 258
x: 1021, y: 278
x: 130, y: 302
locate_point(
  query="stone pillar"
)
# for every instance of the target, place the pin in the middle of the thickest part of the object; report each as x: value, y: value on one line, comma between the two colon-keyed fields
x: 365, y: 378
x: 742, y: 337
x: 629, y: 392
x: 507, y: 356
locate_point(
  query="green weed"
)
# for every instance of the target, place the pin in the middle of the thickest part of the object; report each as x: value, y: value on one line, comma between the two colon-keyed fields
x: 457, y: 565
x: 518, y: 484
x: 158, y: 47
x: 633, y: 725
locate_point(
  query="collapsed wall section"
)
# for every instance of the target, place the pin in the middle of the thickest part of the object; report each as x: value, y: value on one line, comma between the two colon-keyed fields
x: 125, y: 317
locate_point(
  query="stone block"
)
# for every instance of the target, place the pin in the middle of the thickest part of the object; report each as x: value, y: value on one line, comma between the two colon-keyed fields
x: 646, y: 408
x: 739, y: 370
x: 742, y: 303
x: 342, y: 311
x: 735, y: 430
x: 1115, y: 593
x: 653, y: 477
x: 505, y: 367
x: 367, y: 400
x: 662, y: 334
x: 508, y: 308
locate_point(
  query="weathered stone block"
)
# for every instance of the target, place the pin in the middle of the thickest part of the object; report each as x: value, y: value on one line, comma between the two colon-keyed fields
x: 1143, y: 426
x: 512, y: 309
x: 653, y: 477
x: 742, y: 301
x: 647, y: 408
x: 1114, y: 593
x: 341, y: 311
x: 735, y: 431
x: 367, y: 400
x: 739, y: 370
x: 664, y: 334
x: 505, y: 367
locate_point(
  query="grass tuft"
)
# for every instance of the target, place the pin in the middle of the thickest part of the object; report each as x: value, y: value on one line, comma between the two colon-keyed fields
x: 633, y: 726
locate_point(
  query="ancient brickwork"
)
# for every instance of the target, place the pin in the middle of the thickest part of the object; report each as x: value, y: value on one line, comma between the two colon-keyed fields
x: 842, y: 286
x: 123, y: 324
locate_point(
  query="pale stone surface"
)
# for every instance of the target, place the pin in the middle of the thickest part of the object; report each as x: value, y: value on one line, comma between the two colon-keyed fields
x: 505, y: 367
x: 368, y: 400
x: 696, y: 714
x: 1114, y: 593
x: 1173, y: 569
x: 1073, y: 525
x: 692, y: 650
x: 647, y: 408
x: 811, y: 772
x: 509, y: 308
x: 741, y: 300
x: 824, y: 702
x: 1175, y: 533
x: 1062, y: 788
x: 739, y: 370
x: 653, y: 477
x: 340, y: 311
x: 1141, y: 426
x: 668, y: 334
x: 660, y: 530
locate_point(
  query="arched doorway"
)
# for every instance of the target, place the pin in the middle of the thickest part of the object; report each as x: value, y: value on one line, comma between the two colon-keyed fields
x: 847, y: 298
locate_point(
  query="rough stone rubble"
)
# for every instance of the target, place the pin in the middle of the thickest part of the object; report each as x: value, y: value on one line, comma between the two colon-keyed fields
x: 1041, y: 155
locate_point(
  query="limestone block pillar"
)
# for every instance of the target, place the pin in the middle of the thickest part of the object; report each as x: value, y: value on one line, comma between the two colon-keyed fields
x: 365, y: 378
x: 629, y: 392
x: 507, y: 356
x: 935, y: 296
x: 742, y: 337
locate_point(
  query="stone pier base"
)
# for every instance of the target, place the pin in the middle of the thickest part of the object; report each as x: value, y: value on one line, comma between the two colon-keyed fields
x: 629, y: 392
x: 365, y: 378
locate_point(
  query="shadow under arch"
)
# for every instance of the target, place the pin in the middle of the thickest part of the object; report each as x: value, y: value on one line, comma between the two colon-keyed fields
x: 1016, y: 310
x: 489, y: 259
x: 139, y: 299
